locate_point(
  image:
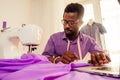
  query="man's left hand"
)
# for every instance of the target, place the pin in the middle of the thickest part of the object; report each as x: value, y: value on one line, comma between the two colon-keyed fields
x: 99, y: 59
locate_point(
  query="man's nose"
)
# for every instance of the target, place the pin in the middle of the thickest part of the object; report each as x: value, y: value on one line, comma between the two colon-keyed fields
x: 67, y: 25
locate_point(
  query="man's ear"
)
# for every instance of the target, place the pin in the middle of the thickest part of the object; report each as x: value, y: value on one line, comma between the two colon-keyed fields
x: 80, y: 22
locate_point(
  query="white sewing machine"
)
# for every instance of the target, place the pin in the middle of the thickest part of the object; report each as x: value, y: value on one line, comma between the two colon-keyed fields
x: 14, y: 40
x: 30, y: 36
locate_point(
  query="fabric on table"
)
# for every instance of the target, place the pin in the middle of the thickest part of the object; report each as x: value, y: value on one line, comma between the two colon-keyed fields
x: 36, y: 67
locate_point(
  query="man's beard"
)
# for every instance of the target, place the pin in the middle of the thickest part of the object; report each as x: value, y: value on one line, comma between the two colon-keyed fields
x: 70, y: 33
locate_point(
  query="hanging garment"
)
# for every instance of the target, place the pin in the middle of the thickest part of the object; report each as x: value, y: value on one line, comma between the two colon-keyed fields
x: 94, y: 31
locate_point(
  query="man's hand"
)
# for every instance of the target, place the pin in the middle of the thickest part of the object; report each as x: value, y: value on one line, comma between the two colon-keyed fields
x: 99, y: 59
x: 66, y: 58
x: 69, y: 57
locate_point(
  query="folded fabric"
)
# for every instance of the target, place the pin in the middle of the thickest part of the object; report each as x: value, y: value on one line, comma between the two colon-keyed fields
x: 33, y: 67
x: 37, y: 67
x: 12, y: 65
x: 39, y: 71
x: 79, y: 64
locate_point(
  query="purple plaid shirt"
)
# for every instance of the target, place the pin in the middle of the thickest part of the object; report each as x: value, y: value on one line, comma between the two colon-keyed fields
x: 57, y: 45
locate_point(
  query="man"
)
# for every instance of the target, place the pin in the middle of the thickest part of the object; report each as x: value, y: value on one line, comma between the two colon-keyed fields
x: 119, y: 1
x: 71, y: 44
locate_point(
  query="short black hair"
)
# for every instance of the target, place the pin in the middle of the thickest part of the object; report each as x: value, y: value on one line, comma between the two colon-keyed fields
x: 119, y: 1
x: 75, y: 7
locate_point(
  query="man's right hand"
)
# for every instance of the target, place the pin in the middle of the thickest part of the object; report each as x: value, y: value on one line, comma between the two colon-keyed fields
x: 69, y: 57
x: 66, y: 58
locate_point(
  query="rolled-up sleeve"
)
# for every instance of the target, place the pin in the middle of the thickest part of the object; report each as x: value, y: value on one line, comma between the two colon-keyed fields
x: 50, y: 48
x: 94, y: 47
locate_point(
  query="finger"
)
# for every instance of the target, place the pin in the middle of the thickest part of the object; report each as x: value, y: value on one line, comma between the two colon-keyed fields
x: 108, y: 58
x: 103, y: 56
x: 69, y: 54
x: 51, y: 59
x: 76, y: 57
x: 90, y: 62
x: 65, y: 61
x: 72, y: 55
x: 98, y: 58
x: 68, y: 58
x: 92, y: 56
x: 93, y: 59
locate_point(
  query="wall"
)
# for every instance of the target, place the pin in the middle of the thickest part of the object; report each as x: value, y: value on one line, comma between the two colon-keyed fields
x: 15, y: 12
x: 49, y: 15
x: 46, y: 14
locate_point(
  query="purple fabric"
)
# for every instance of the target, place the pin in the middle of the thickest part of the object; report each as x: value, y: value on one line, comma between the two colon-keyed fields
x: 40, y: 71
x: 36, y: 67
x: 57, y: 45
x: 75, y: 65
x: 11, y: 65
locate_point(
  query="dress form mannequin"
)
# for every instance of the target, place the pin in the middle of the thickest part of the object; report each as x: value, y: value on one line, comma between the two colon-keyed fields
x: 94, y: 30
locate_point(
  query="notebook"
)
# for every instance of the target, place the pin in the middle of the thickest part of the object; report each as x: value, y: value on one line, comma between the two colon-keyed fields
x: 107, y: 70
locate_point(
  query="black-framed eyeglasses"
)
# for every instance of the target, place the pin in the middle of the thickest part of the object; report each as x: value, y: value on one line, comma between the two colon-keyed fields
x: 71, y: 23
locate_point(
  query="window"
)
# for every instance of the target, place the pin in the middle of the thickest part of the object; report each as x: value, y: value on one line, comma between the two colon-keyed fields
x: 88, y: 13
x: 110, y: 10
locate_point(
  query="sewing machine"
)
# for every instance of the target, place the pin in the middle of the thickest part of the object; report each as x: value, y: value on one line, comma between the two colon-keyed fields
x: 13, y: 40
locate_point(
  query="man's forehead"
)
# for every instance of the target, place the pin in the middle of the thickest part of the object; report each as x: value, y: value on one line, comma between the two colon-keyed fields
x: 72, y: 15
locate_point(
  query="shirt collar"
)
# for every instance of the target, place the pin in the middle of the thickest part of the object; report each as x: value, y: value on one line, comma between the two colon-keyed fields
x: 64, y: 37
x: 80, y: 36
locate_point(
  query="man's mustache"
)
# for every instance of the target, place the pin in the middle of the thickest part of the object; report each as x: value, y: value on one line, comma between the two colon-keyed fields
x: 69, y: 29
